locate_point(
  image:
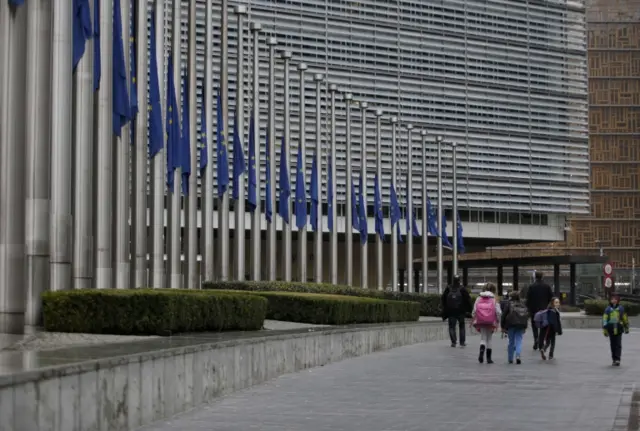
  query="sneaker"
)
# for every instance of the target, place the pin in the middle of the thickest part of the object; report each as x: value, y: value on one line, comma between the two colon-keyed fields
x: 511, y: 362
x: 453, y: 344
x: 463, y: 345
x: 535, y: 346
x: 550, y: 357
x: 542, y: 355
x: 518, y: 361
x: 616, y: 363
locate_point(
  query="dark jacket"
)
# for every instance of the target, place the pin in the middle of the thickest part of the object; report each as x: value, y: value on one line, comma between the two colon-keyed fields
x: 555, y: 324
x: 539, y: 296
x: 465, y: 308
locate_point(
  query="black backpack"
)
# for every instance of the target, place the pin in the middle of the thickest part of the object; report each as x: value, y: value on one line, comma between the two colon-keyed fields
x: 518, y: 316
x: 454, y: 299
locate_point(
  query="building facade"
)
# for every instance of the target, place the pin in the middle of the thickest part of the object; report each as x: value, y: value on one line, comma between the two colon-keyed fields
x: 505, y: 80
x: 612, y: 226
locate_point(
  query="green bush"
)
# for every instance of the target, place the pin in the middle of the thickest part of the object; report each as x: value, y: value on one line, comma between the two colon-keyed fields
x: 336, y: 309
x: 151, y: 311
x: 430, y: 304
x: 596, y: 307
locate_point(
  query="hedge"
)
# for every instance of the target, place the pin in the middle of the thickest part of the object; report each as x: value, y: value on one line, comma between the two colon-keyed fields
x: 430, y: 304
x: 336, y: 309
x: 596, y: 307
x: 151, y: 311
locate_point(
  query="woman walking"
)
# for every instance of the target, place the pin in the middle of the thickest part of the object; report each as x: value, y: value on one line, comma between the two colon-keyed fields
x: 486, y: 317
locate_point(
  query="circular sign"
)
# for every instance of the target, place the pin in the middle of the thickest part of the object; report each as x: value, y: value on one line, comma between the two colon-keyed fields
x: 608, y: 283
x: 608, y: 269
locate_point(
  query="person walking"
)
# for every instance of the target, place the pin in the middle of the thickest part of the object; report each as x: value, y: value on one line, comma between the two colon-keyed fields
x: 456, y: 303
x: 515, y: 319
x: 486, y: 318
x: 551, y: 325
x: 539, y: 295
x: 614, y: 323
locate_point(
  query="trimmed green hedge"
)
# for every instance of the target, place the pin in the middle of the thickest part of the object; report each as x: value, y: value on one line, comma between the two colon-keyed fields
x: 596, y: 307
x: 336, y: 309
x: 430, y: 304
x: 151, y: 311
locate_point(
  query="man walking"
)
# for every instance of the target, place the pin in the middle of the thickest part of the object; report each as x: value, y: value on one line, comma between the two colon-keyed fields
x: 539, y: 296
x: 456, y: 303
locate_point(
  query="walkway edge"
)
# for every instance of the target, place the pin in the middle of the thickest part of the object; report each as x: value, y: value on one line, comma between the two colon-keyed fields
x: 124, y: 393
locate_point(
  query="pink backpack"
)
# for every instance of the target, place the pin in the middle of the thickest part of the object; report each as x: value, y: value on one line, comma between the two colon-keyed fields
x: 486, y: 312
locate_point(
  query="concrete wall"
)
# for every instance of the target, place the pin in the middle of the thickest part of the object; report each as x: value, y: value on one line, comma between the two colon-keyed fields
x: 127, y: 392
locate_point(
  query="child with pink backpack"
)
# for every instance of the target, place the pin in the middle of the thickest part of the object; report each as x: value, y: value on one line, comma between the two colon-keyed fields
x: 486, y: 317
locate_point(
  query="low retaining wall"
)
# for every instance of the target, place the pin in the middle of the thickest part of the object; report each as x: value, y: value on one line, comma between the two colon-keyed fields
x: 123, y: 393
x: 126, y: 392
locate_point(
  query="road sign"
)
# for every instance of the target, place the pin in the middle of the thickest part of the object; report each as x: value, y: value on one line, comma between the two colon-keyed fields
x: 608, y: 283
x: 608, y: 269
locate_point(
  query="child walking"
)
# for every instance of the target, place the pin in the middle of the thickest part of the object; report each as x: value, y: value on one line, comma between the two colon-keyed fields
x: 614, y: 323
x: 515, y: 319
x: 486, y: 316
x: 550, y: 325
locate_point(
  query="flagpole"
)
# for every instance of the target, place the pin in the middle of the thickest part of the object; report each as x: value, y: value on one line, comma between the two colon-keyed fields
x: 409, y: 208
x: 61, y: 149
x: 364, y: 255
x: 175, y: 261
x: 223, y: 208
x: 207, y: 252
x: 158, y: 166
x: 193, y: 275
x: 104, y: 154
x: 334, y: 213
x: 122, y: 183
x: 425, y: 216
x: 238, y: 208
x: 379, y: 242
x: 286, y: 227
x: 440, y: 214
x: 348, y: 227
x: 256, y: 229
x: 139, y: 207
x: 454, y: 152
x: 394, y: 229
x: 302, y: 233
x: 317, y: 259
x: 271, y: 237
x: 38, y: 112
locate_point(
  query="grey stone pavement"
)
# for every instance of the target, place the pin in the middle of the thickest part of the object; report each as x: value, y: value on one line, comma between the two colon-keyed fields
x: 434, y: 387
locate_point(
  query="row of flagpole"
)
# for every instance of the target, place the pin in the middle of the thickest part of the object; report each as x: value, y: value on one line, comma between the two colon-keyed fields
x: 90, y: 117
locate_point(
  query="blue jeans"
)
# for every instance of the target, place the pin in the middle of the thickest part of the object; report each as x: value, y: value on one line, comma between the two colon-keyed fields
x: 515, y: 342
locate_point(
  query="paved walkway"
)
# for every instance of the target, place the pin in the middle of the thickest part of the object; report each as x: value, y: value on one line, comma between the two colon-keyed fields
x: 433, y: 387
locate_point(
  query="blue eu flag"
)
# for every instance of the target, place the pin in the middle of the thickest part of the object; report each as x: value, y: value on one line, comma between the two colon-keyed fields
x: 204, y: 157
x: 223, y: 157
x: 121, y: 108
x: 252, y: 199
x: 82, y: 29
x: 362, y: 214
x: 445, y: 238
x: 314, y: 192
x: 185, y: 142
x: 156, y: 136
x: 268, y: 197
x: 173, y: 127
x: 239, y: 165
x: 330, y: 197
x: 301, y: 196
x: 285, y: 187
x: 460, y: 239
x: 97, y: 63
x: 378, y: 208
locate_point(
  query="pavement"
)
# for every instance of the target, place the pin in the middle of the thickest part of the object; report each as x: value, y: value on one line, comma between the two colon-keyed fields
x: 434, y: 387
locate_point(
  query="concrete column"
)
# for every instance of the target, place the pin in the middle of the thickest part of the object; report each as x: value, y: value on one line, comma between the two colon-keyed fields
x: 572, y: 284
x: 13, y: 25
x: 556, y: 280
